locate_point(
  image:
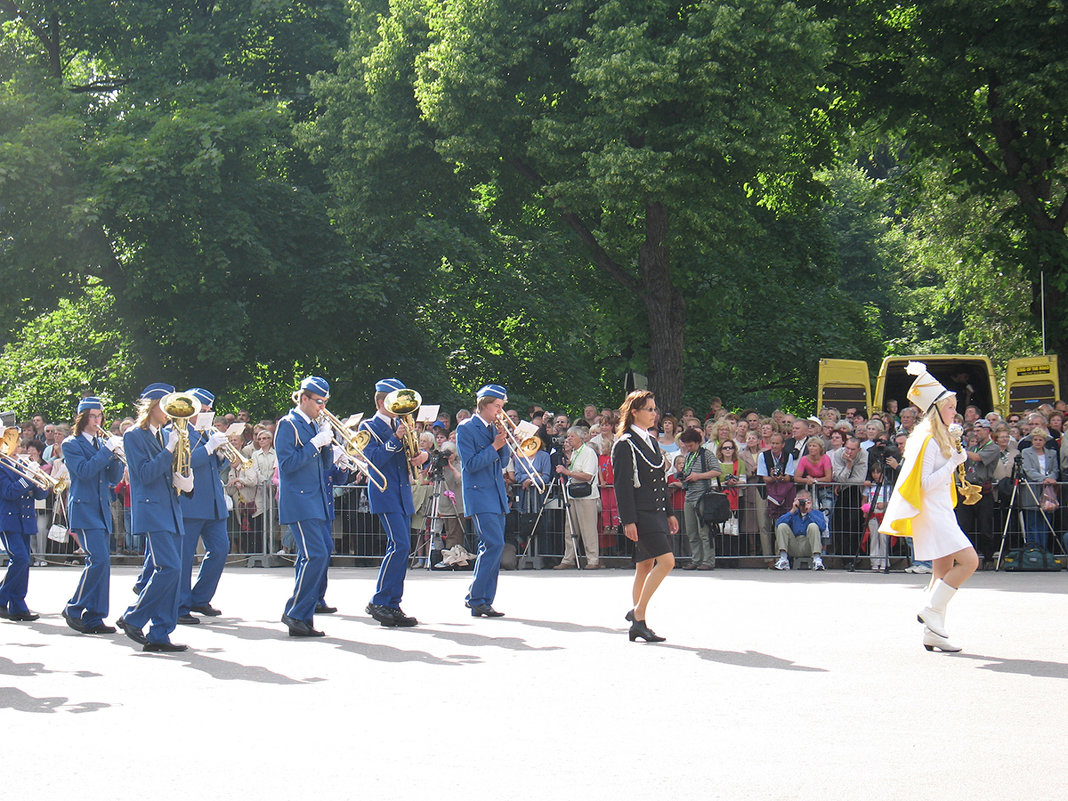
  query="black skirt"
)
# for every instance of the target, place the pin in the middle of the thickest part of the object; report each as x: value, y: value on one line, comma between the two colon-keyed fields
x: 652, y: 535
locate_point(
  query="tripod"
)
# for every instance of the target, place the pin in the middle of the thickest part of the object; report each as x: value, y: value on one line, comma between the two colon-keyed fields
x: 433, y: 528
x: 527, y: 559
x: 1017, y: 469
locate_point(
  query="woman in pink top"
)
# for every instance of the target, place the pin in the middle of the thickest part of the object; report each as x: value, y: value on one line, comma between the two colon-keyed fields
x: 813, y: 469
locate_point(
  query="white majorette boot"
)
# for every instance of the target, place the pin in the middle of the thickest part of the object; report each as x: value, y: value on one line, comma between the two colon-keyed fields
x: 932, y: 641
x: 934, y: 614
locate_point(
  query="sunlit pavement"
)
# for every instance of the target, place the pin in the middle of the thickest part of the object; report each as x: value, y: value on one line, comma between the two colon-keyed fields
x: 770, y: 685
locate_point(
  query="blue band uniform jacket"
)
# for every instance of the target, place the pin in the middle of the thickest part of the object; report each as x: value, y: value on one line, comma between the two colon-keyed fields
x: 153, y: 500
x: 206, y: 501
x: 93, y: 469
x: 386, y: 452
x: 17, y: 512
x: 481, y: 468
x: 304, y: 492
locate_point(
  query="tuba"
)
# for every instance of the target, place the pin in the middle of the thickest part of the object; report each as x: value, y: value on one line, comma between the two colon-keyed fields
x: 402, y: 403
x: 179, y: 407
x: 32, y: 472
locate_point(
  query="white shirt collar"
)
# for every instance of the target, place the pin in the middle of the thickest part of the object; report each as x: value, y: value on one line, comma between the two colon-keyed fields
x: 385, y: 418
x: 641, y: 432
x: 88, y: 436
x: 300, y: 411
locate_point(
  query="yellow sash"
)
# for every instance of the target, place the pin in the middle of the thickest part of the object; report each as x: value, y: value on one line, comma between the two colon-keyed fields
x: 908, y: 502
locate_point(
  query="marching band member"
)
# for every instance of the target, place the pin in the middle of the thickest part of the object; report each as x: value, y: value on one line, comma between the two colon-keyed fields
x: 18, y: 522
x: 484, y: 454
x: 644, y: 509
x: 922, y: 504
x: 304, y: 499
x: 94, y: 468
x: 149, y: 445
x: 204, y: 516
x: 394, y: 506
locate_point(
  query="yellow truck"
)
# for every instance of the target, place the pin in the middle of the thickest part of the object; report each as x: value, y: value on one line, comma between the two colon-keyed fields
x: 846, y: 383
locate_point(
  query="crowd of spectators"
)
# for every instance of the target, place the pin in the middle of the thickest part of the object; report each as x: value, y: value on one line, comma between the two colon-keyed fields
x: 796, y: 487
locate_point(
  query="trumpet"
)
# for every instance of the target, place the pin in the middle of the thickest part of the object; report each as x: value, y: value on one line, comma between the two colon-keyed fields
x: 179, y: 407
x: 119, y: 452
x: 524, y: 447
x: 353, y: 443
x: 972, y: 492
x: 231, y: 452
x: 402, y: 402
x: 31, y: 471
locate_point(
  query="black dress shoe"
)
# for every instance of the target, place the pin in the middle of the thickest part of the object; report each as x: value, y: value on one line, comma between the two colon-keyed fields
x: 100, y: 628
x: 383, y: 614
x: 323, y: 609
x: 26, y: 616
x: 639, y: 629
x: 73, y: 622
x: 207, y: 610
x: 163, y: 647
x: 4, y: 614
x: 403, y: 620
x: 132, y: 632
x: 298, y: 628
x: 485, y: 610
x: 629, y: 616
x: 188, y: 620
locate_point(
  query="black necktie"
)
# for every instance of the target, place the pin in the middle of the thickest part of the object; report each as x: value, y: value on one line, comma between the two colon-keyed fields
x: 96, y: 442
x: 159, y: 436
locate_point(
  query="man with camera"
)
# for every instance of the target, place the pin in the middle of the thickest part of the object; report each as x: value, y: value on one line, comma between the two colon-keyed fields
x: 797, y: 533
x: 977, y: 520
x: 701, y: 466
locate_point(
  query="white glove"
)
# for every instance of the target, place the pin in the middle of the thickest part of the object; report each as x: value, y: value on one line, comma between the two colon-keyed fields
x: 182, y: 483
x: 113, y: 443
x: 323, y: 438
x: 216, y: 439
x: 340, y: 457
x: 958, y: 457
x: 172, y: 440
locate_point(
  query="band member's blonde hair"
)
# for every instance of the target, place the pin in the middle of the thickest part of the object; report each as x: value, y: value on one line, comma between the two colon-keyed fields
x: 933, y: 425
x: 144, y: 409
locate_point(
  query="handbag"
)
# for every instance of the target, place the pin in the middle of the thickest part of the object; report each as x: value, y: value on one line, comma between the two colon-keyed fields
x: 57, y: 532
x: 579, y: 489
x: 1049, y: 502
x: 730, y: 525
x: 713, y: 507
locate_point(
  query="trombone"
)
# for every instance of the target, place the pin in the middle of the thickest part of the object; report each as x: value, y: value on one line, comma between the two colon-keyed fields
x: 26, y: 469
x: 402, y: 402
x: 524, y: 449
x: 353, y: 443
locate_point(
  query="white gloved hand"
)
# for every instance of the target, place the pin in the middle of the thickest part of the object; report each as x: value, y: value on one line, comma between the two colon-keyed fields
x: 340, y: 457
x: 215, y: 440
x: 113, y: 443
x: 182, y: 483
x: 172, y: 440
x: 323, y: 438
x: 958, y: 457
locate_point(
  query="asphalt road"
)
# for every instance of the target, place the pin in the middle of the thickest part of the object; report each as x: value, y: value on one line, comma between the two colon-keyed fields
x: 771, y: 686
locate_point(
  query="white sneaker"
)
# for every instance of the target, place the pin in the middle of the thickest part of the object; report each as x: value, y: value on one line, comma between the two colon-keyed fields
x: 920, y: 569
x: 782, y: 564
x: 817, y: 562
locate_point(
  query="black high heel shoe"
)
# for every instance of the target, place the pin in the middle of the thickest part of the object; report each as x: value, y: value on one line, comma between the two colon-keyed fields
x: 639, y: 629
x: 629, y: 617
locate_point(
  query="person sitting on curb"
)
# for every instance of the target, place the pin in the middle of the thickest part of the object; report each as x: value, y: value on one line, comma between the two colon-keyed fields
x: 797, y: 533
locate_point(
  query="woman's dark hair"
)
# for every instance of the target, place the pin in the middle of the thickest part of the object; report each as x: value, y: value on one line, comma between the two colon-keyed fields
x: 690, y: 435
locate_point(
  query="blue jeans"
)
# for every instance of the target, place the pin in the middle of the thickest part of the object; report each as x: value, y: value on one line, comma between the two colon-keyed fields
x: 1036, y: 530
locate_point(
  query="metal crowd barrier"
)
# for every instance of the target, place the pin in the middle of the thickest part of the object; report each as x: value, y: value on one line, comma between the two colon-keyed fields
x: 538, y: 536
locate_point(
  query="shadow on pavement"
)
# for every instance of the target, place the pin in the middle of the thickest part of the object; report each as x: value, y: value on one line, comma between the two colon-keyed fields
x: 748, y: 659
x: 1024, y: 667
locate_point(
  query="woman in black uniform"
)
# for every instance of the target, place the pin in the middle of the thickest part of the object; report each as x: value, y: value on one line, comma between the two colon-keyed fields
x: 644, y: 509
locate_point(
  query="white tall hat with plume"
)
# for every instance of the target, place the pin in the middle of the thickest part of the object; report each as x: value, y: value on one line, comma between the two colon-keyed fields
x: 926, y: 390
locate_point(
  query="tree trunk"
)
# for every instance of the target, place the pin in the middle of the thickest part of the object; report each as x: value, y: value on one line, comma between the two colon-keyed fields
x: 665, y: 311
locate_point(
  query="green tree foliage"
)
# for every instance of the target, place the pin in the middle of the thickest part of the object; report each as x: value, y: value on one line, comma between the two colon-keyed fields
x: 978, y: 87
x: 149, y: 145
x: 642, y: 131
x: 61, y: 355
